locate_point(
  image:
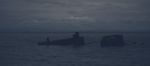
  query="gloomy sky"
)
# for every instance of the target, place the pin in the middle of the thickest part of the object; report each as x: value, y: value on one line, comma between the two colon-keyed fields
x: 74, y: 15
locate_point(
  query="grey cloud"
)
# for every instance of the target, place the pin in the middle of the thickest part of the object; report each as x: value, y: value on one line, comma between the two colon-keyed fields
x: 75, y: 14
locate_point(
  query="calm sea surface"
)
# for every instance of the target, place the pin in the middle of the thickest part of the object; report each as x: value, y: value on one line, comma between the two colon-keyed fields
x: 21, y: 49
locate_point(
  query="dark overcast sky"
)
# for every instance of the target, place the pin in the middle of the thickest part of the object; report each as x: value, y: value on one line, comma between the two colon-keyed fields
x: 74, y: 15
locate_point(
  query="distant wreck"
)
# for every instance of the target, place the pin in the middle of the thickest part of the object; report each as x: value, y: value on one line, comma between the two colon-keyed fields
x: 112, y: 41
x: 76, y: 40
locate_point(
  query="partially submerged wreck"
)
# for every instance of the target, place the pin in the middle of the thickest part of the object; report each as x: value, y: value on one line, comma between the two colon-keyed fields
x: 112, y: 41
x: 76, y: 40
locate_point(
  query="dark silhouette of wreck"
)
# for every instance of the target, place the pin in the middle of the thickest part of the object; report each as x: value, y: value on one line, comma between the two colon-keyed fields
x: 112, y: 41
x: 76, y: 40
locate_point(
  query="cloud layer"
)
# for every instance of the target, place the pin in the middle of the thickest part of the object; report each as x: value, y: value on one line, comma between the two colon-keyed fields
x: 74, y: 15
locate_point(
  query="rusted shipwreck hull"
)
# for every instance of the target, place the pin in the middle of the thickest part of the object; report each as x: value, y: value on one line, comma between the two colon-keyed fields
x: 113, y: 41
x: 65, y: 42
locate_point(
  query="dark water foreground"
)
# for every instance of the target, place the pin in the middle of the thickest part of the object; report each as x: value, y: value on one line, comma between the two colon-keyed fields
x: 21, y: 49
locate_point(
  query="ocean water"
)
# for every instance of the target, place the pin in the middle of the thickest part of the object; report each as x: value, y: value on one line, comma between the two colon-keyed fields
x: 21, y: 49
